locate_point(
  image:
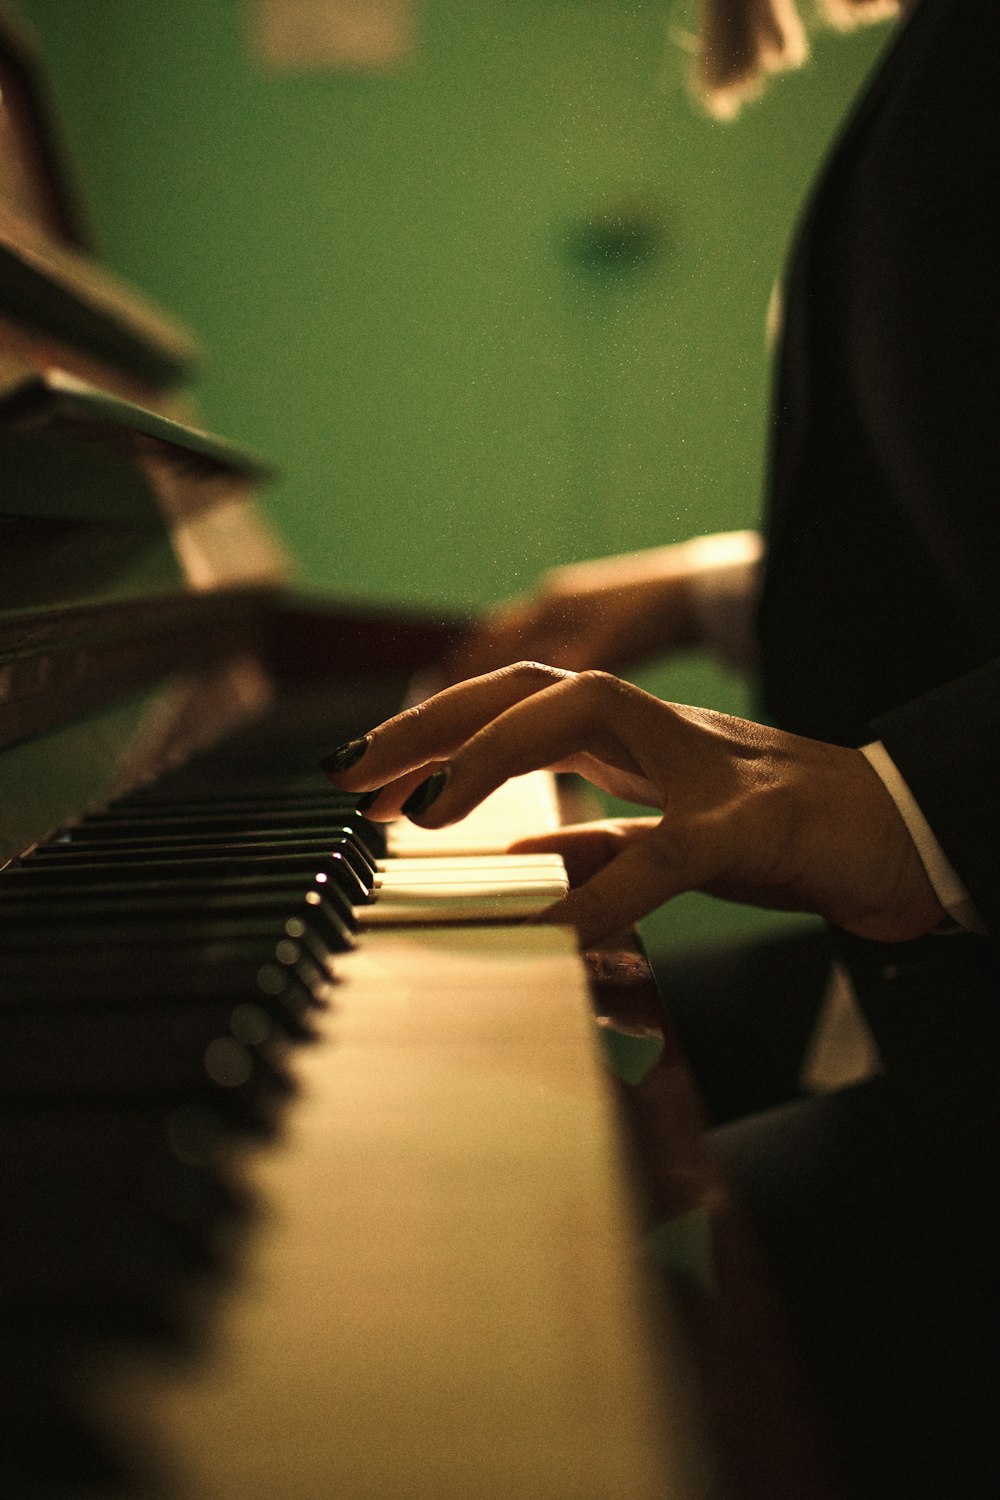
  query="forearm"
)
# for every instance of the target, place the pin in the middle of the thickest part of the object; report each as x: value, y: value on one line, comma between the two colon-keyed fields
x: 699, y: 592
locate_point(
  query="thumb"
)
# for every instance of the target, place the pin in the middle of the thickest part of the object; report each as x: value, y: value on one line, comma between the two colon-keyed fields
x: 586, y: 847
x: 633, y: 882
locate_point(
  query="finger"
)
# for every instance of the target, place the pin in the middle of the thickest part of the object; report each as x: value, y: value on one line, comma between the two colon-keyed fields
x: 433, y: 730
x: 388, y: 800
x: 548, y: 728
x: 617, y: 776
x: 613, y: 772
x: 585, y: 847
x: 641, y: 877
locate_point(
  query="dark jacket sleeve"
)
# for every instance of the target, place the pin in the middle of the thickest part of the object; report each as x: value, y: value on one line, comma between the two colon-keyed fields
x: 881, y: 608
x: 946, y: 746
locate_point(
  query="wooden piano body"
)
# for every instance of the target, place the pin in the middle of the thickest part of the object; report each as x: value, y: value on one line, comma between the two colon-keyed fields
x: 416, y: 1270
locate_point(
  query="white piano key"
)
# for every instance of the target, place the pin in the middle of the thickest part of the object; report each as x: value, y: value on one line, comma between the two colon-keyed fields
x: 442, y: 903
x: 485, y: 870
x: 443, y: 1296
x: 499, y: 862
x: 521, y: 807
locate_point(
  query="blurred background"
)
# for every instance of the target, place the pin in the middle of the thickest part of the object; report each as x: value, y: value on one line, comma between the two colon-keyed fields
x: 479, y: 277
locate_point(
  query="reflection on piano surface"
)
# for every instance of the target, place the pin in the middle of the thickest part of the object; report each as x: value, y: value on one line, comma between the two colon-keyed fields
x: 305, y: 1194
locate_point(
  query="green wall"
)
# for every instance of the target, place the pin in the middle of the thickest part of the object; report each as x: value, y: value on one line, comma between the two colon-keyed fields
x: 386, y: 273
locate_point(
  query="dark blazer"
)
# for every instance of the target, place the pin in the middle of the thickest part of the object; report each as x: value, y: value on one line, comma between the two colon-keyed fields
x: 880, y: 615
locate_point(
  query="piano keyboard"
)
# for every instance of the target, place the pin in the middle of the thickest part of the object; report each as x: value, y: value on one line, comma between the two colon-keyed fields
x: 262, y: 1059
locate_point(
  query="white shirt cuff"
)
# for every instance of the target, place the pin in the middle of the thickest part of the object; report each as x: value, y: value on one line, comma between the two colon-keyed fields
x: 940, y: 872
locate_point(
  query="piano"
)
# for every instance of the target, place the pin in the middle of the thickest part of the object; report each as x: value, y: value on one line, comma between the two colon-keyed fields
x: 317, y: 1181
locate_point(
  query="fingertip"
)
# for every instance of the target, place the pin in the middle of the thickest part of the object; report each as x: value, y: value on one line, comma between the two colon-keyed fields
x: 344, y: 756
x: 559, y: 915
x: 367, y: 800
x: 578, y: 910
x: 422, y: 797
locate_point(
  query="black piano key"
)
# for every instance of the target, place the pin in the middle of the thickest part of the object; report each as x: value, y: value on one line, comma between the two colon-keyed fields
x: 189, y: 1208
x: 178, y: 1053
x: 136, y: 1263
x: 245, y: 847
x: 166, y: 951
x: 310, y: 820
x: 135, y: 1036
x: 302, y: 916
x: 124, y: 929
x: 49, y: 1450
x: 278, y: 980
x: 145, y: 1151
x: 370, y: 834
x: 333, y: 868
x: 167, y: 834
x: 98, y: 1139
x: 120, y: 1170
x: 71, y: 887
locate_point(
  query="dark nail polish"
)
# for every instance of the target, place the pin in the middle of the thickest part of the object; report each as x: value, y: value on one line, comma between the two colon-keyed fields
x: 427, y: 792
x: 366, y: 799
x: 344, y: 756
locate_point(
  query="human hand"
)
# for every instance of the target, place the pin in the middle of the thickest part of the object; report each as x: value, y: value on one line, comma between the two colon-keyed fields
x: 606, y: 614
x: 745, y: 812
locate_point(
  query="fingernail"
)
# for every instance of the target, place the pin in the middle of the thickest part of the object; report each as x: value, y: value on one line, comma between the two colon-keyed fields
x: 427, y: 792
x: 344, y: 756
x: 366, y: 799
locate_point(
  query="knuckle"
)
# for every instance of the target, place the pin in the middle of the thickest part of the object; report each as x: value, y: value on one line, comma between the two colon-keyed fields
x: 602, y: 686
x: 537, y: 674
x: 594, y: 679
x: 410, y: 718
